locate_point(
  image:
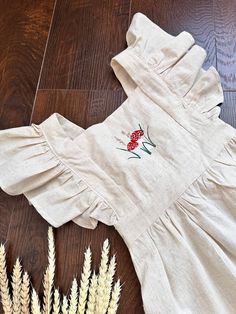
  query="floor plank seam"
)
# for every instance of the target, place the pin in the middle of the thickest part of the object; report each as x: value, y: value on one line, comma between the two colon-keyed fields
x: 42, y: 64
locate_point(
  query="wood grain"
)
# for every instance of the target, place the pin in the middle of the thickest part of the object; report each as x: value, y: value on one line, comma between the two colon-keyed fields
x: 83, y: 107
x: 24, y: 27
x: 228, y: 108
x: 174, y: 17
x: 82, y: 42
x: 225, y: 28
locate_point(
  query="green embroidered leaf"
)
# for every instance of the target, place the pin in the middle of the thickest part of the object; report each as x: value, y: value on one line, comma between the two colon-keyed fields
x: 145, y: 149
x: 148, y: 138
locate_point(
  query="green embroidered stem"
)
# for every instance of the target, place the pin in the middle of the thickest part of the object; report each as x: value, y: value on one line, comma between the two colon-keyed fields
x: 148, y: 136
x: 145, y: 149
x: 126, y: 150
x: 140, y: 127
x: 151, y: 142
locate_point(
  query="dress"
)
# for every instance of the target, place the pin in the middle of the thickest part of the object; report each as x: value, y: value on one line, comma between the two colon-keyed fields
x: 161, y: 169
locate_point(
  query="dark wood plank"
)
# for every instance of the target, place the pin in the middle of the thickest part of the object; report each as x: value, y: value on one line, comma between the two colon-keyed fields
x: 82, y: 107
x: 84, y: 37
x: 228, y: 109
x: 27, y: 239
x: 23, y: 33
x: 225, y: 28
x: 24, y: 27
x: 196, y: 17
x: 7, y: 206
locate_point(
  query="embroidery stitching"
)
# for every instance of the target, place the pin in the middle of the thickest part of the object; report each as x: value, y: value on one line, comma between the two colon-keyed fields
x: 133, y: 143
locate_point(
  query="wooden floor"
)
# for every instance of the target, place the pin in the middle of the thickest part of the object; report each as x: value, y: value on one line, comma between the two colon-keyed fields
x: 54, y: 57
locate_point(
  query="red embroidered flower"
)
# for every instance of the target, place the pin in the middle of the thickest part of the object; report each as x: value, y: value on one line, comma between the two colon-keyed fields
x: 136, y: 135
x: 132, y: 145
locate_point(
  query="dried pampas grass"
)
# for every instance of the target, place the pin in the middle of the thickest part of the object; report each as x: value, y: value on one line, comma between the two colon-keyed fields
x: 95, y: 294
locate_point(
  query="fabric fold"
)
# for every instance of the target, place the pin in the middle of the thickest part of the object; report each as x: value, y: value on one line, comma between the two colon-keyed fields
x: 30, y: 166
x: 177, y: 60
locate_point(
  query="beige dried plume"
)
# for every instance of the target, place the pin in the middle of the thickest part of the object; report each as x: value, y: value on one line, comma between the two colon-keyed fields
x: 25, y: 294
x: 102, y: 277
x: 73, y: 297
x: 92, y: 294
x: 16, y: 287
x: 64, y: 307
x: 115, y: 297
x: 109, y: 280
x: 56, y: 303
x: 84, y: 281
x: 4, y: 285
x: 49, y: 274
x: 35, y: 304
x: 96, y: 294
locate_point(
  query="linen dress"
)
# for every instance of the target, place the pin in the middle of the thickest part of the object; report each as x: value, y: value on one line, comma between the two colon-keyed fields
x: 161, y: 169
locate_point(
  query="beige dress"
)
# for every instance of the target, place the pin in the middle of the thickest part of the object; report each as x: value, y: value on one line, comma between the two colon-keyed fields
x: 161, y: 169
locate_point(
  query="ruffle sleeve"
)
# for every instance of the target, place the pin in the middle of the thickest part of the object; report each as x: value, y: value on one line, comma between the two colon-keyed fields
x: 38, y: 161
x: 177, y: 60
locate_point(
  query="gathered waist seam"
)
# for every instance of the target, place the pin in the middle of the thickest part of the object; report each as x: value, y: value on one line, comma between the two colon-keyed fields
x: 130, y: 239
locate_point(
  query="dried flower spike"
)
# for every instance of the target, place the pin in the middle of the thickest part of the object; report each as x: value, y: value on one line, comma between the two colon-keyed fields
x: 4, y: 283
x: 49, y: 274
x: 84, y: 282
x: 16, y: 287
x: 73, y: 297
x: 25, y: 294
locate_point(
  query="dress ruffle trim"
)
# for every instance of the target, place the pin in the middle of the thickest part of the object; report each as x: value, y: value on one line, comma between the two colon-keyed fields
x: 177, y: 60
x: 30, y: 166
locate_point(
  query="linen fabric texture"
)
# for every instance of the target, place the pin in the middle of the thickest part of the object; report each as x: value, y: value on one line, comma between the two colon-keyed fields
x: 161, y: 169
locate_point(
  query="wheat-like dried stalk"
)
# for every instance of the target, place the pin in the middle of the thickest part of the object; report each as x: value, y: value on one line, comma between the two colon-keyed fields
x: 49, y: 274
x: 64, y: 307
x: 102, y: 277
x: 47, y: 288
x: 35, y: 304
x: 115, y: 296
x: 73, y: 297
x: 25, y: 294
x: 4, y: 284
x: 84, y: 282
x: 56, y: 303
x: 95, y: 294
x: 109, y: 280
x: 16, y: 287
x: 92, y: 295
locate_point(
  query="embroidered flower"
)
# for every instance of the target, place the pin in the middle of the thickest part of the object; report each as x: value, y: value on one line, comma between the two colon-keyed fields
x: 132, y: 145
x: 135, y: 136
